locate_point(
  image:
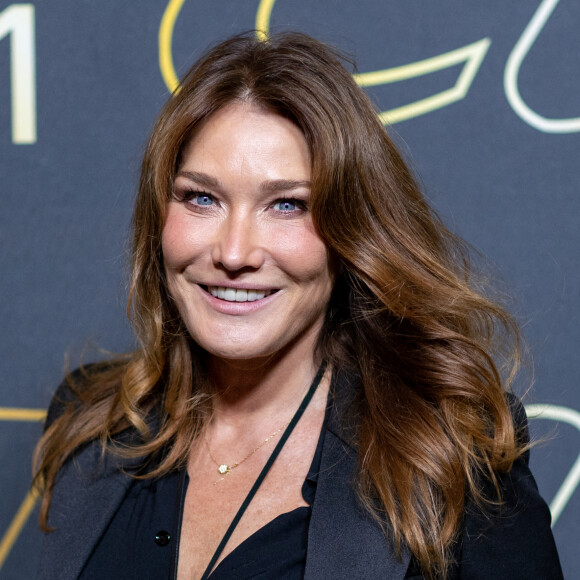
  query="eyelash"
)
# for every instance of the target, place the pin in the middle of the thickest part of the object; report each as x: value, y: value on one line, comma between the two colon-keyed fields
x: 187, y: 196
x: 300, y: 205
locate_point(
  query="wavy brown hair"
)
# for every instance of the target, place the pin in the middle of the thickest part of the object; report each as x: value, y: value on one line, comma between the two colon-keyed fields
x: 405, y: 315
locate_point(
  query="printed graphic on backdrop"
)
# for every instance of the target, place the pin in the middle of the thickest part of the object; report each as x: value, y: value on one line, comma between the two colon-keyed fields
x: 471, y: 55
x: 17, y: 23
x: 512, y: 69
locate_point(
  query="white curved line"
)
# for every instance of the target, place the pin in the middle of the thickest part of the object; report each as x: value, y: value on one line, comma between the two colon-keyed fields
x: 512, y: 70
x: 570, y: 483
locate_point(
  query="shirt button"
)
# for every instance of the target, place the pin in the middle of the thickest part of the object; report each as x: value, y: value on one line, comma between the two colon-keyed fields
x: 162, y: 538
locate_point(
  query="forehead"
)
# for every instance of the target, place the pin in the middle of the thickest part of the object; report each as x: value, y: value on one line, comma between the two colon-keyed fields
x: 243, y: 136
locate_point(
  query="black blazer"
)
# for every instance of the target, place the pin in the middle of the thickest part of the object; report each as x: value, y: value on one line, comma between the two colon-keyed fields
x: 344, y: 542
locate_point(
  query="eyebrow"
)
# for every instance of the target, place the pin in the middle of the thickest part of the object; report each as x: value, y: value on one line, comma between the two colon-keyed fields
x: 201, y: 179
x: 271, y: 186
x: 279, y: 185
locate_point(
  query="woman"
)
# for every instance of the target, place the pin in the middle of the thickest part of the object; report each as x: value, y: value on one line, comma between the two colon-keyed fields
x: 317, y: 391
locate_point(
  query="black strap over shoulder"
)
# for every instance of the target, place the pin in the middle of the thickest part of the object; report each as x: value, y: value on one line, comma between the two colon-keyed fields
x: 305, y: 401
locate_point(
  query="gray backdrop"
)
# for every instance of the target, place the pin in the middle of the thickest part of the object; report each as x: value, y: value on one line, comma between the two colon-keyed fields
x: 485, y: 99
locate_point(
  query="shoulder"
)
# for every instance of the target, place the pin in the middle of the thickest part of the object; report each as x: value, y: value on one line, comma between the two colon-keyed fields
x: 520, y: 419
x: 65, y: 395
x: 500, y: 542
x: 513, y: 539
x: 76, y: 385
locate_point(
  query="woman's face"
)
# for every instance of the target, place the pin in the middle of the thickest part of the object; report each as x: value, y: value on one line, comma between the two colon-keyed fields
x: 244, y: 263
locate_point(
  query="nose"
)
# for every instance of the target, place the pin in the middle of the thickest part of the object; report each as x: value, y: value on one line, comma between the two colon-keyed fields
x: 238, y: 244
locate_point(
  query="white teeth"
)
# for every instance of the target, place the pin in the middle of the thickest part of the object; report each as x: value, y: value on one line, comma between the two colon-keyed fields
x: 241, y: 295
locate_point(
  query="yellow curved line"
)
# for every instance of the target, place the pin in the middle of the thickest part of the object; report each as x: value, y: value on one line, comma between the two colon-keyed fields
x: 20, y: 414
x: 16, y: 525
x: 165, y: 41
x: 263, y: 19
x: 165, y: 37
x: 471, y: 54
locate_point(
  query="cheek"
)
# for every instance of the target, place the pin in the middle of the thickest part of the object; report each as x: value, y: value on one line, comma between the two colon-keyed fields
x: 178, y: 242
x: 305, y: 257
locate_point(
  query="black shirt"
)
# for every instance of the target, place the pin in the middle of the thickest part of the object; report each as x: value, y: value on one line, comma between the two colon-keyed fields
x: 142, y: 539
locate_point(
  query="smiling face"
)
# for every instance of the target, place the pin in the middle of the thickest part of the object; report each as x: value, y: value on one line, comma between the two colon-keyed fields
x: 248, y: 271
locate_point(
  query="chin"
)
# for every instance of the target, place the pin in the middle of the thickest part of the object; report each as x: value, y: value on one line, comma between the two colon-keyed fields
x: 235, y: 349
x: 255, y: 341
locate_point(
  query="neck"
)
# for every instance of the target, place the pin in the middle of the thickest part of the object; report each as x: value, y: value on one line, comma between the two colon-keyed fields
x: 271, y: 386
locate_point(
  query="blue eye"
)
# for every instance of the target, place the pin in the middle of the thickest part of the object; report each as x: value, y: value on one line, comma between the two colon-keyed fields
x: 286, y: 205
x: 202, y: 199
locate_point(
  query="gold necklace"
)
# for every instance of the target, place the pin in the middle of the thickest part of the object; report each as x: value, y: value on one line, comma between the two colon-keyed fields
x: 225, y: 469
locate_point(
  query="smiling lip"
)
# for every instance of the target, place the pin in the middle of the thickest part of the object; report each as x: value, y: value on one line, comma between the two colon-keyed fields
x: 259, y: 298
x: 230, y: 294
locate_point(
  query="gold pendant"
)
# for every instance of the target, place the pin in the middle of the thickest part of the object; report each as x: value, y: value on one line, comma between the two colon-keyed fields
x: 224, y: 469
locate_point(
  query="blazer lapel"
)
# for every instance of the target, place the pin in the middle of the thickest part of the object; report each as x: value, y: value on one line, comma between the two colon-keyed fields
x: 344, y: 541
x: 87, y: 494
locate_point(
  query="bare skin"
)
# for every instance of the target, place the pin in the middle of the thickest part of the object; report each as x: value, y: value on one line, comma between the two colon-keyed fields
x: 210, y: 507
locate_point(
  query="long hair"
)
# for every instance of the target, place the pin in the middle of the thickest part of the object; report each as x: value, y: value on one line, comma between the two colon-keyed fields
x: 405, y: 315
